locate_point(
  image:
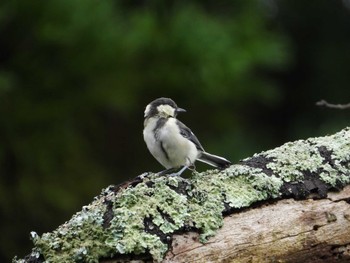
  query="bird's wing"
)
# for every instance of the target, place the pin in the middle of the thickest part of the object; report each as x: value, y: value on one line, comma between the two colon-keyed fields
x: 188, y: 134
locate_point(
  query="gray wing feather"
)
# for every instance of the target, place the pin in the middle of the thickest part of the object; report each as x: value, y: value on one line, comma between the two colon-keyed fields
x: 187, y: 133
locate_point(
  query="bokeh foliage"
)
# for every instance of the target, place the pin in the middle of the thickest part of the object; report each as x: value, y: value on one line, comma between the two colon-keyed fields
x: 75, y: 76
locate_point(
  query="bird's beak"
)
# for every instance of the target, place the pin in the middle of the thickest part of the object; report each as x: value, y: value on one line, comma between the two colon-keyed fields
x: 178, y: 110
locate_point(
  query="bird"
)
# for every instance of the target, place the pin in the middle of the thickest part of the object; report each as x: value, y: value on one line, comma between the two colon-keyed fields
x: 171, y: 142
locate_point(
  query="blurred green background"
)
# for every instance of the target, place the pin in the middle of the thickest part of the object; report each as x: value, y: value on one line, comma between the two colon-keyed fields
x: 75, y: 76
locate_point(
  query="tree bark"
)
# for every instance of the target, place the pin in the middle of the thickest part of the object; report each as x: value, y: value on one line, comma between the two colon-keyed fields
x: 285, y: 231
x: 289, y: 204
x: 306, y: 231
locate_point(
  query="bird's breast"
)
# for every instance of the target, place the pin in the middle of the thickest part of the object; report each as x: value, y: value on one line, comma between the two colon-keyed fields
x: 167, y: 145
x: 180, y: 150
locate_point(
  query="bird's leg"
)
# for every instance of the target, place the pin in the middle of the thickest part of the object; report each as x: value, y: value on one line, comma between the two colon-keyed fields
x: 166, y: 171
x: 144, y: 175
x: 189, y: 166
x: 192, y: 167
x: 179, y: 172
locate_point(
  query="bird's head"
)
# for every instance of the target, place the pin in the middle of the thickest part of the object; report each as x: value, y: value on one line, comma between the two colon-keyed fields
x: 162, y: 107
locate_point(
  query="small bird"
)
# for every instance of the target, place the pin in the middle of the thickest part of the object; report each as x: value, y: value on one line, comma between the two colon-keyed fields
x: 171, y: 142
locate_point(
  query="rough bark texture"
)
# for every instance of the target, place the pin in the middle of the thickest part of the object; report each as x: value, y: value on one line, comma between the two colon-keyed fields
x: 246, y: 213
x: 286, y: 231
x: 283, y: 231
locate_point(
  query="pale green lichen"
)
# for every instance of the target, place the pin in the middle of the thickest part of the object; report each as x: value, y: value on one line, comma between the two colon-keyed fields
x: 173, y: 203
x: 72, y: 241
x: 214, y: 188
x: 135, y: 204
x: 291, y: 159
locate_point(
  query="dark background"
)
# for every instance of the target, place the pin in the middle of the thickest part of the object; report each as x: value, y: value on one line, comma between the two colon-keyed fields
x: 75, y: 76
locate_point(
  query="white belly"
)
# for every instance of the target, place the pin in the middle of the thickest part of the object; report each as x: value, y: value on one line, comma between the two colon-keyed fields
x: 179, y: 150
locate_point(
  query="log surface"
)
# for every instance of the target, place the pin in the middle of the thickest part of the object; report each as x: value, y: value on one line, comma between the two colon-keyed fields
x: 310, y: 230
x: 246, y: 213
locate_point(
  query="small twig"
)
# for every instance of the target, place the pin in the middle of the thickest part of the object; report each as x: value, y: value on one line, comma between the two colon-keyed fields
x: 333, y: 106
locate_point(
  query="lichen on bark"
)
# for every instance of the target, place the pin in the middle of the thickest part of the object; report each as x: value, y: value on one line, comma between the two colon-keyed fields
x: 141, y: 216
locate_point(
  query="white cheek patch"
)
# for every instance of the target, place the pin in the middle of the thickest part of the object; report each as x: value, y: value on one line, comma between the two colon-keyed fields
x: 148, y: 108
x: 166, y: 110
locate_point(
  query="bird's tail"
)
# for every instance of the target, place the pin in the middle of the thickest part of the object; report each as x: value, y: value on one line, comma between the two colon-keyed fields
x: 214, y: 160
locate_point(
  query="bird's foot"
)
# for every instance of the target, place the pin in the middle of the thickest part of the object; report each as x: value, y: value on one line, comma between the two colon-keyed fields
x: 179, y: 172
x: 165, y: 172
x: 192, y: 168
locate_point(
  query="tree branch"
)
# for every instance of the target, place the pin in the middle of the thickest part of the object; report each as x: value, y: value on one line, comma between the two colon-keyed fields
x: 324, y: 103
x: 172, y: 219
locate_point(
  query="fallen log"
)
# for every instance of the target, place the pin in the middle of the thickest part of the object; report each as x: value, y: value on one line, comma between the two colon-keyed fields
x: 289, y: 204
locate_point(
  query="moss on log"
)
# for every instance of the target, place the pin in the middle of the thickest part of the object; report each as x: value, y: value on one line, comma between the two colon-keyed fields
x: 139, y: 218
